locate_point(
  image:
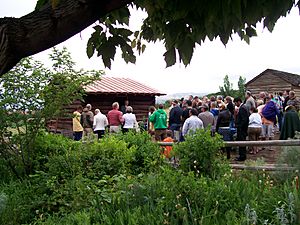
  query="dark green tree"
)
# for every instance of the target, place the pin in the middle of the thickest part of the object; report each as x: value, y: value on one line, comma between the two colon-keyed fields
x: 227, y: 88
x: 180, y: 24
x: 241, y: 87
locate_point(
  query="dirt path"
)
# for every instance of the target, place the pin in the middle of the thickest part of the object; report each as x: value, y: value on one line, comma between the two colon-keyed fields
x: 269, y: 156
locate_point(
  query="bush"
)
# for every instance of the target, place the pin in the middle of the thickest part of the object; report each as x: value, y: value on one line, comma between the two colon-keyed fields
x: 201, y: 153
x: 96, y: 183
x: 146, y: 156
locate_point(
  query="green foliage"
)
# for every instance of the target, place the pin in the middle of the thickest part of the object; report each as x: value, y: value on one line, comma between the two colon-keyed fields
x: 146, y: 156
x: 182, y: 25
x: 20, y: 202
x: 227, y: 88
x: 96, y: 183
x: 289, y: 156
x: 39, y: 95
x: 241, y: 87
x: 200, y: 153
x: 174, y: 197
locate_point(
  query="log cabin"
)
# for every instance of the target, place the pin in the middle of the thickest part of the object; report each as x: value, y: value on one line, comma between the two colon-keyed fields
x: 274, y: 81
x: 102, y: 93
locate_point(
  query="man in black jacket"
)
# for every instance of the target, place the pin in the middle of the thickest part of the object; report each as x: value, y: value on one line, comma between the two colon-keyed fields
x: 242, y: 122
x: 175, y: 119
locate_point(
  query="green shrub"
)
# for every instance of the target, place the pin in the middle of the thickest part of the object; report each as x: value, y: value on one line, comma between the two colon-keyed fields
x: 19, y: 202
x: 93, y: 183
x: 108, y: 157
x: 146, y: 156
x: 201, y: 153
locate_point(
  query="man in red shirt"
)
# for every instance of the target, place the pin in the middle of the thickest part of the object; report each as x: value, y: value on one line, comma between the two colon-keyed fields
x: 115, y: 118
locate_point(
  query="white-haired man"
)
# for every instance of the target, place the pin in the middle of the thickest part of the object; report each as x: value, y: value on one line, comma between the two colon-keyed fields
x: 115, y: 118
x: 100, y: 122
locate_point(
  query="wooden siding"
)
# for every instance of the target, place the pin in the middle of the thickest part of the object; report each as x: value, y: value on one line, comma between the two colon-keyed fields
x: 139, y: 103
x: 296, y: 90
x: 269, y: 83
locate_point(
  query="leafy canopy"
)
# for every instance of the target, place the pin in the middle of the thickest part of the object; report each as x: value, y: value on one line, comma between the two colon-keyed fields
x: 181, y: 25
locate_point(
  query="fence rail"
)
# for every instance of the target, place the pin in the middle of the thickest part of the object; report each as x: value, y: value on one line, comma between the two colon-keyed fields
x: 267, y: 167
x: 292, y: 142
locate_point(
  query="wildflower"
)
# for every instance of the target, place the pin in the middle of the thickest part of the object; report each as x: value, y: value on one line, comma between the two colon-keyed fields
x: 166, y: 222
x: 260, y: 181
x: 166, y: 214
x: 178, y: 196
x: 177, y: 206
x: 195, y: 162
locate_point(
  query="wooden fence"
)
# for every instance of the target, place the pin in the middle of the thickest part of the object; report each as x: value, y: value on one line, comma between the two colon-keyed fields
x: 268, y: 167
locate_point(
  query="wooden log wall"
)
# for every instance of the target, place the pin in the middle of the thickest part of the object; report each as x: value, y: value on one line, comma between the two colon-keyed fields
x: 269, y: 83
x: 139, y: 103
x: 297, y: 91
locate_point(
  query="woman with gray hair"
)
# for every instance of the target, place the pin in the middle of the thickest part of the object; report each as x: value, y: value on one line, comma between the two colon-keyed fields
x: 100, y: 122
x: 129, y: 120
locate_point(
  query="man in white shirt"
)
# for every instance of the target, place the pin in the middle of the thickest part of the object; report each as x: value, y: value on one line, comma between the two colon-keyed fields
x: 100, y: 122
x: 192, y: 123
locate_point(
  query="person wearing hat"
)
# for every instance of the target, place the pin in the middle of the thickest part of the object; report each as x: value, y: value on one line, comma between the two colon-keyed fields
x: 206, y: 116
x: 293, y: 101
x: 175, y: 117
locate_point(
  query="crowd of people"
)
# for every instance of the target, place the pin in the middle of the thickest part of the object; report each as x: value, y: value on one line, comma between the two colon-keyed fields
x: 255, y: 118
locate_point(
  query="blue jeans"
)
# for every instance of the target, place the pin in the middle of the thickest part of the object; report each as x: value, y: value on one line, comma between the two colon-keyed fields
x: 175, y: 128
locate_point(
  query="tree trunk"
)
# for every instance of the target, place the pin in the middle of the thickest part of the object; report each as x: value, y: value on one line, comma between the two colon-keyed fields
x: 47, y: 27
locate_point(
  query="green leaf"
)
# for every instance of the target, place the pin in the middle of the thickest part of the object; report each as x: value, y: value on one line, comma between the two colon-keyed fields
x: 133, y: 43
x: 124, y: 32
x: 90, y: 50
x: 251, y: 32
x: 170, y: 57
x: 40, y: 3
x: 247, y: 39
x: 136, y: 34
x: 143, y: 48
x: 98, y: 28
x: 186, y: 50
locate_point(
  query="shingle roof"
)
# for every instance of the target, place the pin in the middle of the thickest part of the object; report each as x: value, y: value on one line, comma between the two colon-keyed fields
x: 294, y: 79
x: 116, y: 85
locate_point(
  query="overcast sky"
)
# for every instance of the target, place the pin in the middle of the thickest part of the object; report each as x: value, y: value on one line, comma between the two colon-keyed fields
x: 210, y: 63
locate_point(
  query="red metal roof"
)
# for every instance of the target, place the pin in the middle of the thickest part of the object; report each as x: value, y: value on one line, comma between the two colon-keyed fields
x: 116, y: 85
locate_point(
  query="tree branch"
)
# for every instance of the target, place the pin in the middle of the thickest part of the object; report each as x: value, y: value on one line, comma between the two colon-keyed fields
x: 47, y: 27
